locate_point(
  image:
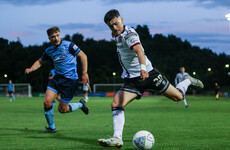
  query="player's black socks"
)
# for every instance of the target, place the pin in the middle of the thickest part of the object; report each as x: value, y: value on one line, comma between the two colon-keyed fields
x: 117, y: 108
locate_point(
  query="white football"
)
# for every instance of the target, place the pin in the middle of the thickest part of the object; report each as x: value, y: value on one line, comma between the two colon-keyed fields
x: 143, y: 140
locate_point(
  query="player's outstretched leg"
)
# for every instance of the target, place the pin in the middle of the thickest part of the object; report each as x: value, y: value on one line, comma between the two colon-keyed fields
x: 81, y: 104
x: 194, y: 81
x: 13, y: 98
x: 111, y: 142
x: 185, y: 103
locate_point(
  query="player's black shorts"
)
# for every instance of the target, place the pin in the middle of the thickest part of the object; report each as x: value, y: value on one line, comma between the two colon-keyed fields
x: 216, y: 92
x: 85, y: 92
x: 64, y: 86
x: 155, y: 82
x: 10, y: 92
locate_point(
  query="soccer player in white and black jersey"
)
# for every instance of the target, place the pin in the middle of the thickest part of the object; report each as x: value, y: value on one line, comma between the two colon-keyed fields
x: 138, y: 75
x: 179, y: 78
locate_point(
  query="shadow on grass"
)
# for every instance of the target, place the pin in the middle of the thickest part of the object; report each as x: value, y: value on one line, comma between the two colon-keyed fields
x: 35, y: 134
x: 17, y: 131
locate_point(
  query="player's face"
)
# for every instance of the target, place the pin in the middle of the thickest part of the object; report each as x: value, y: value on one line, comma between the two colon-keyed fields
x: 55, y: 39
x: 116, y: 25
x: 182, y: 69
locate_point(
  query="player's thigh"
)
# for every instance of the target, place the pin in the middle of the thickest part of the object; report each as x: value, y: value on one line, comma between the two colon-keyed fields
x: 122, y: 98
x: 49, y: 98
x: 173, y: 93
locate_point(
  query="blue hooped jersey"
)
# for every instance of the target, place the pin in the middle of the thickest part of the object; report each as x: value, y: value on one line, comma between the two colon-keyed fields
x: 64, y: 59
x: 10, y: 87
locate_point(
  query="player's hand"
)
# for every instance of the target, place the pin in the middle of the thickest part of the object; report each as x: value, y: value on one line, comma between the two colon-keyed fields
x: 28, y: 70
x: 85, y: 78
x: 144, y: 74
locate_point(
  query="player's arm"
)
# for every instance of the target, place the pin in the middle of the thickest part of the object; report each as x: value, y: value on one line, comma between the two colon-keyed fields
x: 37, y: 64
x: 175, y: 80
x: 51, y: 77
x: 90, y: 90
x: 84, y: 62
x: 13, y: 89
x: 141, y: 57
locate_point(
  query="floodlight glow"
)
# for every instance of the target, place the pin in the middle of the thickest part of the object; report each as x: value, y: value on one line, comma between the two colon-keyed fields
x: 114, y: 73
x: 194, y: 73
x: 5, y: 75
x: 209, y: 69
x: 226, y: 65
x: 228, y: 16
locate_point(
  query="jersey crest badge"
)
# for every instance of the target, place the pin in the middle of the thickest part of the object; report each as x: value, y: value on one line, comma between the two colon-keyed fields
x: 119, y: 39
x: 62, y: 49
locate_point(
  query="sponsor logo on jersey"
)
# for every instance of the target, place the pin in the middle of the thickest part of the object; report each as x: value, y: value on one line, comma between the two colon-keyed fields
x: 63, y: 56
x: 57, y: 58
x: 133, y: 40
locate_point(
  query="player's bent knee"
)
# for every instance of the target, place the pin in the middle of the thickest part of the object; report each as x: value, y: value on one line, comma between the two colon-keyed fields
x: 47, y: 103
x: 62, y: 110
x: 178, y: 97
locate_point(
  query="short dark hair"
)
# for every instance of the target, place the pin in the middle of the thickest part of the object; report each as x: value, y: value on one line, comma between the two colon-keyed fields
x: 111, y: 15
x: 52, y: 30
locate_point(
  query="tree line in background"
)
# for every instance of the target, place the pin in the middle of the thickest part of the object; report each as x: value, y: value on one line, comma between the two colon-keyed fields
x: 167, y: 54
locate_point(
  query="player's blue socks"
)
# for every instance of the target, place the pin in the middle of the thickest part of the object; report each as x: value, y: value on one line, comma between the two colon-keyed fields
x: 75, y: 106
x: 49, y: 114
x: 13, y: 98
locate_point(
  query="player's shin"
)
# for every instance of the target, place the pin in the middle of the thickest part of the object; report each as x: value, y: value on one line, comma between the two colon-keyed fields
x: 49, y: 114
x: 118, y: 121
x: 74, y: 106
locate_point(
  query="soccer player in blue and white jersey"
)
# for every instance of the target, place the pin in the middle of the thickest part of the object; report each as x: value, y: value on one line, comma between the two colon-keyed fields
x: 63, y: 55
x: 138, y: 74
x: 179, y: 78
x: 11, y: 90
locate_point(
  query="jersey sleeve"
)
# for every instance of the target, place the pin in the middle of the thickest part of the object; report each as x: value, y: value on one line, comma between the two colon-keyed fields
x: 176, y: 79
x: 46, y: 57
x: 132, y: 39
x: 74, y: 49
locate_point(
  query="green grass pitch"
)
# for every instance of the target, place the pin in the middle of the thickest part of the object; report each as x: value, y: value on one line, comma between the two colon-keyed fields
x: 205, y: 125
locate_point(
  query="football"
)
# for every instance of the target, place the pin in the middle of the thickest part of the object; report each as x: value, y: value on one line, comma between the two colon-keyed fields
x: 143, y: 140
